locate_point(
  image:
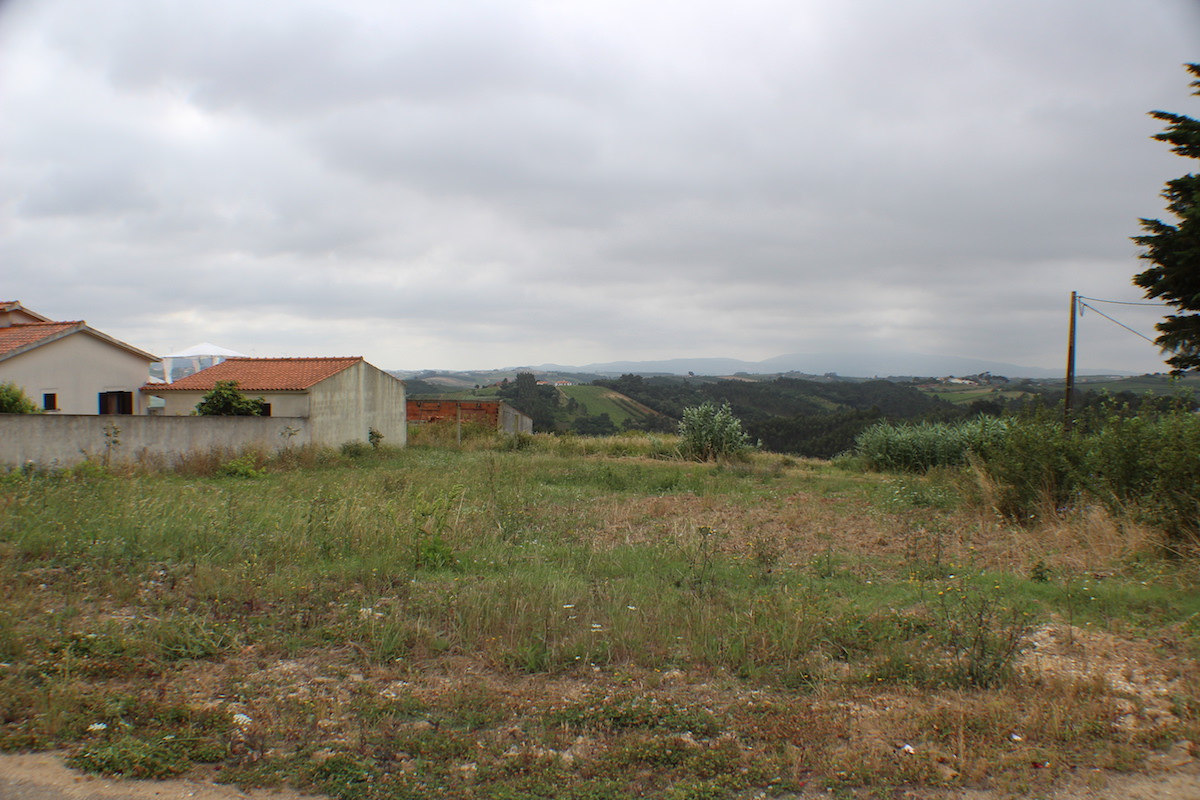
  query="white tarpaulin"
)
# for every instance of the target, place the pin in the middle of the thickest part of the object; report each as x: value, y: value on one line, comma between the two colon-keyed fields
x: 206, y: 349
x: 195, y: 358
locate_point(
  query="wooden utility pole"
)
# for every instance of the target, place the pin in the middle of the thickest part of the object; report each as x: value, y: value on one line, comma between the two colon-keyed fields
x: 1069, y: 398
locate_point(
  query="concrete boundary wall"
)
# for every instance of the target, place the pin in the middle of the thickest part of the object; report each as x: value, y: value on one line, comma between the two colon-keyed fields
x: 67, y: 439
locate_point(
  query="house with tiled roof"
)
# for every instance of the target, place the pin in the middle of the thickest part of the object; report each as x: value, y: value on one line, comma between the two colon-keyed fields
x: 70, y: 367
x: 341, y: 398
x: 13, y: 313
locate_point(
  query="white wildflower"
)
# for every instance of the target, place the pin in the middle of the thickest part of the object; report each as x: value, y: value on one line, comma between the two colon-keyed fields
x: 97, y: 727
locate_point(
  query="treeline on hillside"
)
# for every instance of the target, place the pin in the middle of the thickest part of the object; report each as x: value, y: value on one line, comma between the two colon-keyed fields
x: 813, y: 418
x: 755, y: 400
x: 820, y: 419
x: 791, y: 415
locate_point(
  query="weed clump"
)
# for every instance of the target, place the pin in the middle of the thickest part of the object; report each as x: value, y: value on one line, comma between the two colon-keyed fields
x: 708, y: 432
x: 244, y: 466
x: 130, y: 757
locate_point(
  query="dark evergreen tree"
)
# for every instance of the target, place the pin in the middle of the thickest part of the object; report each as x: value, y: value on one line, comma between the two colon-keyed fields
x: 539, y: 402
x: 1174, y: 249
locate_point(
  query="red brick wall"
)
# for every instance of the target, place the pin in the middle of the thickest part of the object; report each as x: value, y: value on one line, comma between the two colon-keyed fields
x: 478, y: 411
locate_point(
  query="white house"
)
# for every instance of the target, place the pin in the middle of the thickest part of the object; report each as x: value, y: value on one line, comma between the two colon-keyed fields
x: 69, y: 367
x: 342, y: 398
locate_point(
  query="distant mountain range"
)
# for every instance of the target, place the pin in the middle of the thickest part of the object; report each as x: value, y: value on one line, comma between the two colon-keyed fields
x: 852, y: 365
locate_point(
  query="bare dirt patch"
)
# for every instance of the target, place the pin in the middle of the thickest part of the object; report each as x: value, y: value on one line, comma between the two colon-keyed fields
x: 1144, y: 685
x: 42, y: 776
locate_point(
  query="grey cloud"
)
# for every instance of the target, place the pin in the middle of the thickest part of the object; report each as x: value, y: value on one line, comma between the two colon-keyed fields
x: 308, y: 58
x: 604, y: 179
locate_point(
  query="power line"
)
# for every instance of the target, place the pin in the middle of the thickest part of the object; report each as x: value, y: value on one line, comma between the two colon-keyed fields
x: 1121, y: 302
x: 1122, y: 324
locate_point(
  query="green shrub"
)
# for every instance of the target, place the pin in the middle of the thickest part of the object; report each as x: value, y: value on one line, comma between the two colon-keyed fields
x: 709, y: 432
x: 1144, y: 466
x: 244, y: 466
x: 226, y: 401
x: 14, y: 401
x: 1036, y: 465
x: 1149, y: 467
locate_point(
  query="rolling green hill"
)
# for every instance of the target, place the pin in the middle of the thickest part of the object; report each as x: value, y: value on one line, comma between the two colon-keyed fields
x: 593, y: 400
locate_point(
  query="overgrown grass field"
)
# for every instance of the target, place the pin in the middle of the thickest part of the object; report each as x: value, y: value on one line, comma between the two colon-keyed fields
x: 579, y: 618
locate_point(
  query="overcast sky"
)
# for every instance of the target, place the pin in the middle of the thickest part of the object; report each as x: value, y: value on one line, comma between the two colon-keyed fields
x: 485, y: 184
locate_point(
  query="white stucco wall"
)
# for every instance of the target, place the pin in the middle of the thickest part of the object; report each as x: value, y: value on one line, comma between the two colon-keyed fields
x: 513, y: 421
x: 63, y: 440
x: 345, y: 406
x: 181, y: 403
x: 77, y: 368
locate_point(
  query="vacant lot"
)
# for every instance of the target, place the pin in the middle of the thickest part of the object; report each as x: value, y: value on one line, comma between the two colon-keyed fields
x: 537, y: 622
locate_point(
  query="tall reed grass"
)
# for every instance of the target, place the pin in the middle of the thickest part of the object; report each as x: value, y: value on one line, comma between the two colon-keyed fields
x: 908, y: 447
x: 1142, y: 467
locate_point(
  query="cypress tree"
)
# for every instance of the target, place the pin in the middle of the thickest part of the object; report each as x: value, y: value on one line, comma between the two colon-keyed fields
x: 1174, y: 249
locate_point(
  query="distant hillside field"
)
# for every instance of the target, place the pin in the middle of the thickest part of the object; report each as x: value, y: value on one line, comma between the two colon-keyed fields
x: 964, y: 395
x: 594, y: 400
x: 1144, y: 384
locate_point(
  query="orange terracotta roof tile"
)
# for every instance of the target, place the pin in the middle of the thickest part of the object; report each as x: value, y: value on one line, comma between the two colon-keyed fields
x: 261, y: 374
x: 22, y: 335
